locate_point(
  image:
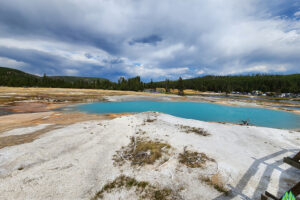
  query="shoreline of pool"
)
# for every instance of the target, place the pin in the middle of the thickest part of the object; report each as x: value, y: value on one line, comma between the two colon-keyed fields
x: 132, y: 105
x: 58, y: 107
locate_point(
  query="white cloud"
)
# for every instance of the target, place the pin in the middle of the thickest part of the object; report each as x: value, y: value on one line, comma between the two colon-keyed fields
x: 225, y: 36
x: 199, y: 72
x: 146, y: 72
x: 257, y: 69
x: 73, y: 52
x: 168, y: 52
x: 297, y: 13
x: 6, y: 62
x: 71, y: 72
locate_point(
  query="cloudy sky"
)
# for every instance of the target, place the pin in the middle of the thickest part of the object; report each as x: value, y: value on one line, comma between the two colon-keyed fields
x: 151, y: 38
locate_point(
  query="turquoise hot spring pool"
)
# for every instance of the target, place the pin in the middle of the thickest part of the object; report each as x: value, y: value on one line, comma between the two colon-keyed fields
x: 200, y: 111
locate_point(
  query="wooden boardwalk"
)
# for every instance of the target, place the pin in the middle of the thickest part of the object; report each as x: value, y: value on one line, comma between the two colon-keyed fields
x: 295, y: 162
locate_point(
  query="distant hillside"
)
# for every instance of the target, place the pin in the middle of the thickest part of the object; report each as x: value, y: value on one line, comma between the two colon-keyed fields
x: 17, y: 78
x: 14, y: 77
x: 4, y: 71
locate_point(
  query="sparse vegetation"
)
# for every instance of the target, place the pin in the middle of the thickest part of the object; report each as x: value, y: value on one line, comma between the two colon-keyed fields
x: 194, y: 159
x: 198, y: 131
x: 216, y: 182
x: 150, y: 120
x: 141, y: 151
x: 140, y: 132
x: 142, y: 188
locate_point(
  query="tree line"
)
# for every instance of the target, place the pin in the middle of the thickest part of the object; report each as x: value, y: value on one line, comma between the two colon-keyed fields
x: 17, y: 78
x: 264, y: 83
x: 247, y: 83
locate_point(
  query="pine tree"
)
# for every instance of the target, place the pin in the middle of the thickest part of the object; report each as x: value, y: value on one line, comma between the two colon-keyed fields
x: 180, y: 86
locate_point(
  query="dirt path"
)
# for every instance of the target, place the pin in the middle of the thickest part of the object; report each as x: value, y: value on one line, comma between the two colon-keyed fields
x: 56, y: 120
x: 25, y: 138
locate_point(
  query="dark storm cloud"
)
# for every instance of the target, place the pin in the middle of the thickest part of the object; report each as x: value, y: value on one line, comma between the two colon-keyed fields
x: 39, y: 61
x: 152, y: 39
x: 36, y: 20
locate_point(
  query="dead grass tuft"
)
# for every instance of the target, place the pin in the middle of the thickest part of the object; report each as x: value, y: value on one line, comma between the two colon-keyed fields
x: 216, y: 182
x: 150, y: 120
x: 141, y: 151
x: 194, y: 159
x: 142, y: 188
x: 198, y: 131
